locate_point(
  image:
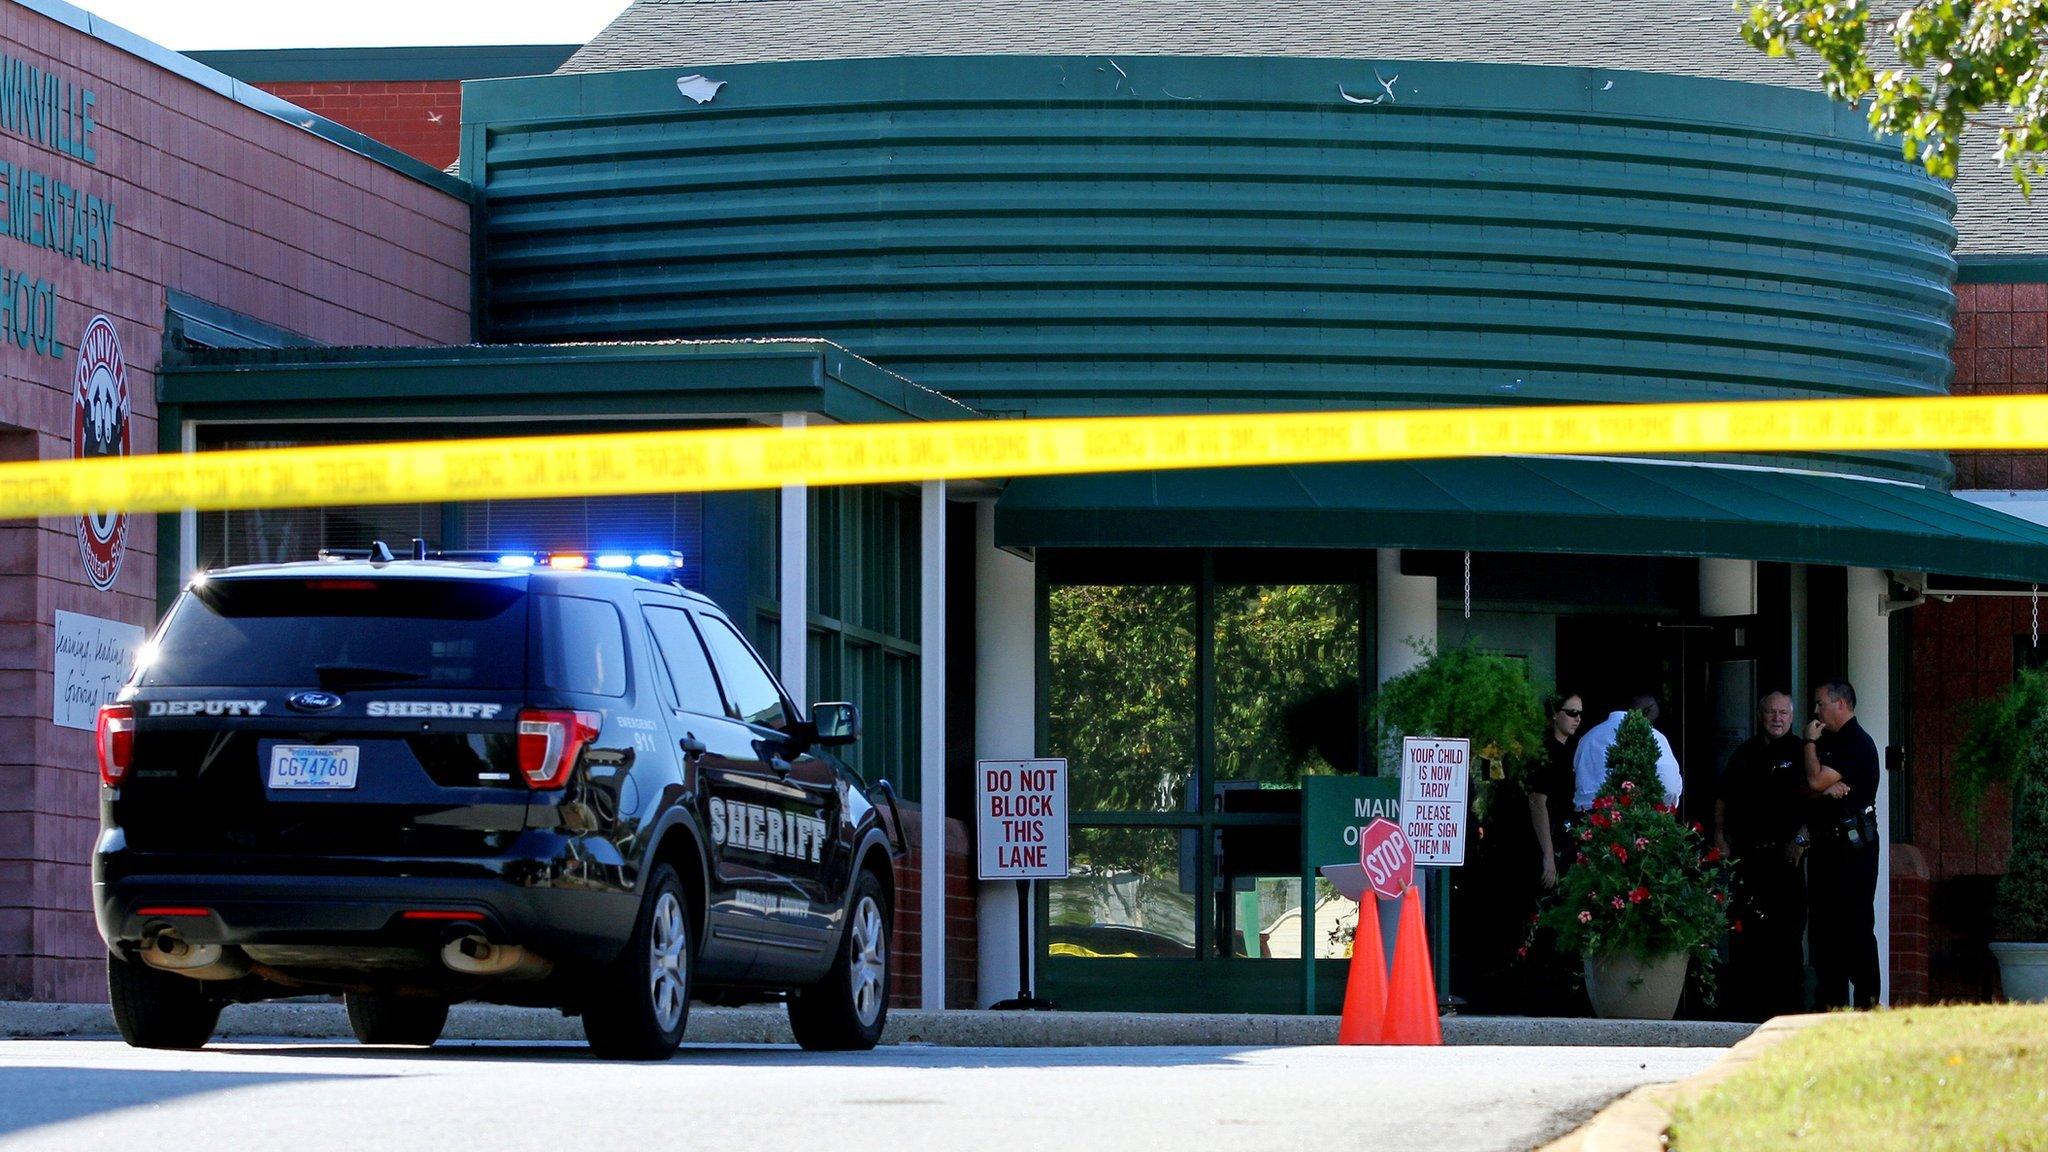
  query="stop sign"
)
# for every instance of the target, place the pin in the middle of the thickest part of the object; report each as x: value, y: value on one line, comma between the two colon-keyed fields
x: 1383, y: 853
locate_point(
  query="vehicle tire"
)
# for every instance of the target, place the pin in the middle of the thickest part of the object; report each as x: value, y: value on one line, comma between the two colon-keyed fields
x: 847, y: 1009
x: 641, y: 1004
x: 157, y: 1009
x: 377, y: 1018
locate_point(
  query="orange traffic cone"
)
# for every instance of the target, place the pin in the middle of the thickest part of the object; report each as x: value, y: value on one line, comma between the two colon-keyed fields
x: 1411, y: 994
x: 1365, y: 993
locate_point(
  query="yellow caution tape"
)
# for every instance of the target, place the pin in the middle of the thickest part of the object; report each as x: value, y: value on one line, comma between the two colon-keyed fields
x: 736, y: 458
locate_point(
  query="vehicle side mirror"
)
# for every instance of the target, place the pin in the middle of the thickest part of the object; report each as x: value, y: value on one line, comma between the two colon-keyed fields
x: 835, y: 723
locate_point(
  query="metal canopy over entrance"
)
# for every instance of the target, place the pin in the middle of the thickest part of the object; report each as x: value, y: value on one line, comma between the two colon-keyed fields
x: 1560, y: 505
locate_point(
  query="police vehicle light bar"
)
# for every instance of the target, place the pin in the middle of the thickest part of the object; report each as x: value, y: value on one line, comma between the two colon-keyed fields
x: 663, y: 566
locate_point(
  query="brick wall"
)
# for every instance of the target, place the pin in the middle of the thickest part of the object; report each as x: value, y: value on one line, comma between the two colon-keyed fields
x: 421, y: 118
x: 1962, y: 652
x: 962, y: 954
x: 1909, y: 943
x: 2001, y: 348
x: 239, y: 209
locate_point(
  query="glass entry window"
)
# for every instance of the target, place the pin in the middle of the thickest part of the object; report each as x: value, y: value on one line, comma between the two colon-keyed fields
x: 1189, y: 712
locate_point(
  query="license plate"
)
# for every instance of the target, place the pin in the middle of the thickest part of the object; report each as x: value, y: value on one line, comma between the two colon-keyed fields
x: 299, y: 766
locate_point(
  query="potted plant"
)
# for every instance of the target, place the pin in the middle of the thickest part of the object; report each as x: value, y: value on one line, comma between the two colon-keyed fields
x: 1464, y: 692
x: 1645, y: 895
x: 2007, y: 746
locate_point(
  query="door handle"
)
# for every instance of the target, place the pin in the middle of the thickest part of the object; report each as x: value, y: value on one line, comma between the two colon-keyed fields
x: 693, y: 747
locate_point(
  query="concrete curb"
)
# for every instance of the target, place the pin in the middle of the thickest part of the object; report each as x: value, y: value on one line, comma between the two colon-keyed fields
x: 1638, y: 1121
x: 768, y: 1024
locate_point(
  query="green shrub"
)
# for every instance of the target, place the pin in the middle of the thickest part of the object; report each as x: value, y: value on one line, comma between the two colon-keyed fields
x: 1464, y: 692
x: 2007, y: 746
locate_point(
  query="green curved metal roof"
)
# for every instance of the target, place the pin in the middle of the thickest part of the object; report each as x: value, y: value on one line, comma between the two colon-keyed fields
x: 1068, y: 235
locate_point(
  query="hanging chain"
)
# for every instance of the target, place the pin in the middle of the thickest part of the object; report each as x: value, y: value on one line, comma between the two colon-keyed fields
x: 1468, y: 593
x: 2034, y: 601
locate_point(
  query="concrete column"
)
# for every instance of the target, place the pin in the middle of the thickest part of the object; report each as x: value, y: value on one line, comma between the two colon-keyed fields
x: 1005, y: 723
x: 931, y: 680
x: 188, y: 520
x: 1869, y: 637
x: 1727, y: 587
x: 1407, y: 614
x: 793, y: 582
x: 1800, y: 636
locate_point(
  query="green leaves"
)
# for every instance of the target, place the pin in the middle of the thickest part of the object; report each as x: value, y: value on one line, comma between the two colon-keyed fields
x: 1958, y: 58
x: 2007, y: 745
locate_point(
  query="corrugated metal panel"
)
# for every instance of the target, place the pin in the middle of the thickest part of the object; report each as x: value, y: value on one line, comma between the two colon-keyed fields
x: 1067, y: 235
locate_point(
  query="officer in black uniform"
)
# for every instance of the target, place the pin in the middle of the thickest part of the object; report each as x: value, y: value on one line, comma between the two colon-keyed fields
x: 1842, y: 773
x: 1759, y: 820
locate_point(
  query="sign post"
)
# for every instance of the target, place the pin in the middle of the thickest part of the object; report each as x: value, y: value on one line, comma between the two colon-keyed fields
x: 1435, y: 783
x: 1335, y: 813
x: 1021, y: 821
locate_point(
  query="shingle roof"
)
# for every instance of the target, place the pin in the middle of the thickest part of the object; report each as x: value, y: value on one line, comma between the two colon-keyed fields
x: 1684, y: 37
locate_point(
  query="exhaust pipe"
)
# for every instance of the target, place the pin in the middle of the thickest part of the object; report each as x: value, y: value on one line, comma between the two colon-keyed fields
x: 173, y: 953
x: 472, y: 955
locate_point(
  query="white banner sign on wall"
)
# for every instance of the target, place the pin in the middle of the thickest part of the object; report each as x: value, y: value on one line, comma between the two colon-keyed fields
x: 94, y: 657
x: 1022, y: 805
x: 1434, y: 774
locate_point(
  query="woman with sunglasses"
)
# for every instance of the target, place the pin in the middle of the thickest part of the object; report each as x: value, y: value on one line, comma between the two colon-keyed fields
x: 1550, y: 792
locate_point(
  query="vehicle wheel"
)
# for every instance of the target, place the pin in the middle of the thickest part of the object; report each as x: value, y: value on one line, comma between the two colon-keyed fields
x: 158, y: 1010
x: 376, y: 1018
x: 640, y: 1006
x: 846, y: 1010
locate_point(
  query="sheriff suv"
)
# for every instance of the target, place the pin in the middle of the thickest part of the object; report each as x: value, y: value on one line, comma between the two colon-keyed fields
x: 548, y: 781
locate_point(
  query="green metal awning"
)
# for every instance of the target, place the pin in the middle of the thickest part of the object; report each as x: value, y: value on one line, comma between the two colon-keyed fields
x: 1532, y: 504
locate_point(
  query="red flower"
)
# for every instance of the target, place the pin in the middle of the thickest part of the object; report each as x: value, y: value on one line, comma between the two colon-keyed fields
x: 1617, y: 903
x: 1712, y: 855
x: 1735, y: 927
x: 1600, y: 802
x: 1586, y: 835
x: 1582, y: 857
x: 1696, y: 826
x: 1720, y: 897
x: 1627, y: 800
x: 1628, y: 786
x: 1523, y: 951
x: 1641, y: 843
x: 1620, y: 853
x: 1598, y: 820
x: 1639, y: 895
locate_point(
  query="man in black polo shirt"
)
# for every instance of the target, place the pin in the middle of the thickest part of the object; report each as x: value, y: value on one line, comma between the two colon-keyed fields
x: 1760, y: 814
x: 1841, y: 885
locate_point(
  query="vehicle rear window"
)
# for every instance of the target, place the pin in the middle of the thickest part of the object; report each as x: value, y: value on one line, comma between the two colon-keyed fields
x: 345, y: 633
x: 583, y: 645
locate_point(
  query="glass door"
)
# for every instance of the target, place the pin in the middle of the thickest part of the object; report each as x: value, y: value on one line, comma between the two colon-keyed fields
x: 1189, y: 712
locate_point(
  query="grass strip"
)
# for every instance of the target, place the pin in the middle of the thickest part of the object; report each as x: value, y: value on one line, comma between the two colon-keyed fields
x: 1918, y: 1079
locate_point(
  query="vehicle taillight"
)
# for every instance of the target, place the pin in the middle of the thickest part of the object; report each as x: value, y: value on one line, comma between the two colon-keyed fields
x: 116, y: 732
x: 549, y: 743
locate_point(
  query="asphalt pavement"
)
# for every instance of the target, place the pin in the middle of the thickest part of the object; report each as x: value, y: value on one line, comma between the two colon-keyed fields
x: 324, y: 1096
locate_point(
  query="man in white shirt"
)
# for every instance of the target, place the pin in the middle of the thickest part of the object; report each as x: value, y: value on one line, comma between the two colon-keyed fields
x: 1589, y: 765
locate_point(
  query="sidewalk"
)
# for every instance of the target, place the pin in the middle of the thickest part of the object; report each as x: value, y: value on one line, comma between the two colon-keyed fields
x: 768, y: 1024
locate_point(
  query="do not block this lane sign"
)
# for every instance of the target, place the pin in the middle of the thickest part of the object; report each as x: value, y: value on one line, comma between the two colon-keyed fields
x: 1021, y: 809
x: 1434, y: 775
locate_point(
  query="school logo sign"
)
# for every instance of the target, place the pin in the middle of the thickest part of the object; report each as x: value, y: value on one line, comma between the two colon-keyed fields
x: 99, y: 427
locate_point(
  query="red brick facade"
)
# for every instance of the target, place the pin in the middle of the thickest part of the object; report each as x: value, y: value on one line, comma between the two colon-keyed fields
x: 421, y: 118
x: 962, y: 949
x: 248, y: 213
x: 1962, y: 652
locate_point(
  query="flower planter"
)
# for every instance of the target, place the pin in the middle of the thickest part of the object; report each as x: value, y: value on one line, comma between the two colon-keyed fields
x: 2023, y: 967
x: 1625, y: 988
